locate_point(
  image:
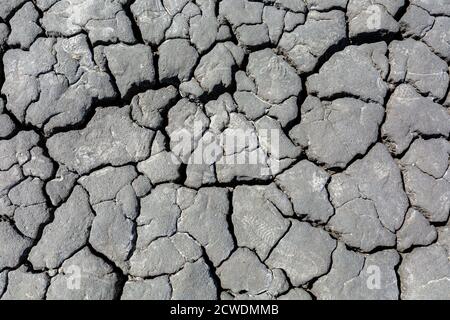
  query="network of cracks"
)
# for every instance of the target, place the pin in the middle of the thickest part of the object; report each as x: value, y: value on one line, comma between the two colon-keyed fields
x: 100, y: 198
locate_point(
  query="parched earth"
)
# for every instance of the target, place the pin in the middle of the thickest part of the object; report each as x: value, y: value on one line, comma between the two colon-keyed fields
x: 101, y: 198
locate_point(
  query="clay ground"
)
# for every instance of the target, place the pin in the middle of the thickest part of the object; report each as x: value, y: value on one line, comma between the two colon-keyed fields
x: 224, y: 149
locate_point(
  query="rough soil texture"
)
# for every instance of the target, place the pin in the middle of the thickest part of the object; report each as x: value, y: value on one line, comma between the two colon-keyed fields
x: 98, y: 200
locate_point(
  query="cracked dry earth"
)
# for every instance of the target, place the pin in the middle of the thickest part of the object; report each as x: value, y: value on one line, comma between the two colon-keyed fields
x: 354, y: 204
